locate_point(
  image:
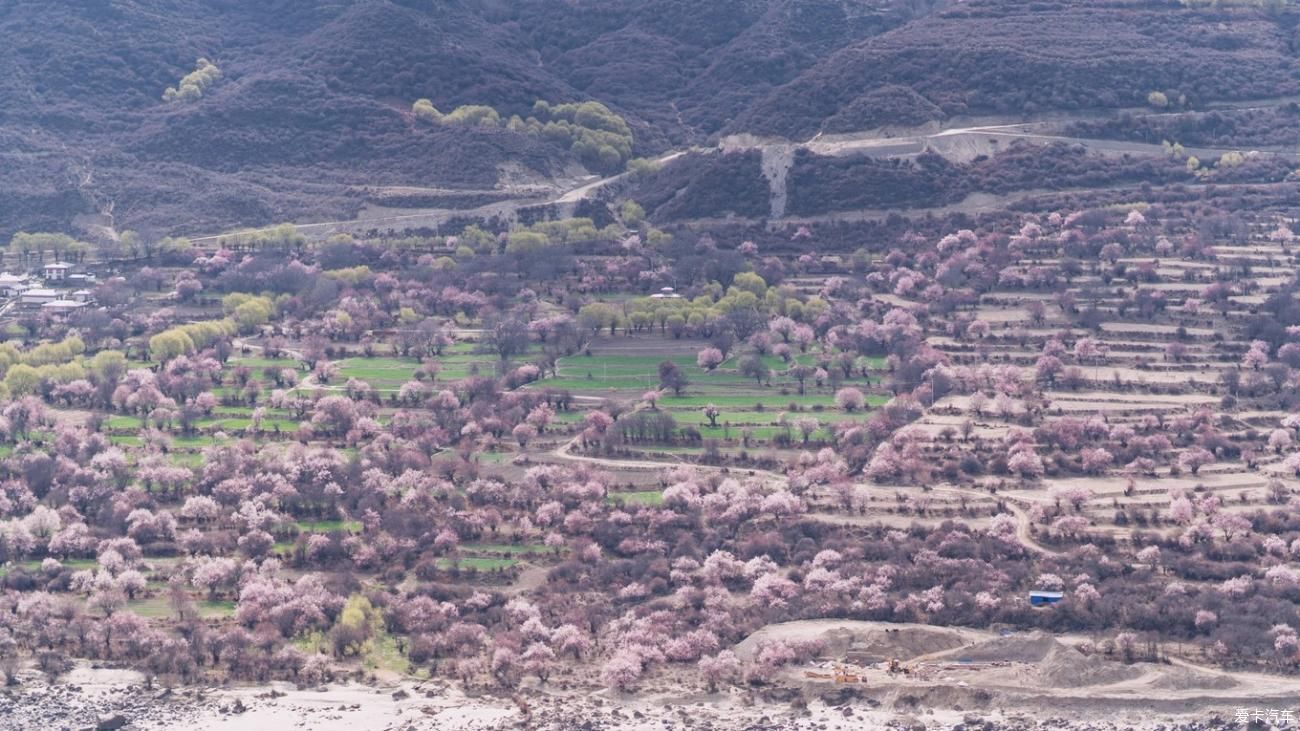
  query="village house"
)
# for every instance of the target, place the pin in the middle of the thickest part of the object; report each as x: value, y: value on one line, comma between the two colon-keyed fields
x: 39, y: 296
x: 12, y: 285
x: 63, y: 307
x: 57, y: 271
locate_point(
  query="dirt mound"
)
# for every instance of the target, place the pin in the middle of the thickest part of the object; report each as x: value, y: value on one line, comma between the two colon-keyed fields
x: 904, y: 643
x: 1066, y: 667
x: 1027, y: 648
x: 859, y: 641
x: 1188, y: 679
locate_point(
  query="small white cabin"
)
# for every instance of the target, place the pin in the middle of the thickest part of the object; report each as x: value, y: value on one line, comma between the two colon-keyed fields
x: 57, y: 271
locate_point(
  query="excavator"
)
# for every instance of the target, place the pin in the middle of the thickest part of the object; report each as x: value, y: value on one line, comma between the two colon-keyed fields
x: 896, y: 667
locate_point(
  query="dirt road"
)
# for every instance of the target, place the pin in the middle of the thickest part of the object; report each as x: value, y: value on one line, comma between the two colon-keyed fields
x: 966, y: 138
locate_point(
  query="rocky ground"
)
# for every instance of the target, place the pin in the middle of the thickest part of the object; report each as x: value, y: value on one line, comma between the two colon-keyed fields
x: 106, y: 700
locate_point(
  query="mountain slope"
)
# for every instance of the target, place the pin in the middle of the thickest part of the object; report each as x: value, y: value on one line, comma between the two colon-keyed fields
x: 1019, y: 58
x: 314, y: 97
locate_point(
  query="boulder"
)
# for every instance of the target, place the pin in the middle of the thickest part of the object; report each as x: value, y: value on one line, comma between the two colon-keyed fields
x: 110, y: 722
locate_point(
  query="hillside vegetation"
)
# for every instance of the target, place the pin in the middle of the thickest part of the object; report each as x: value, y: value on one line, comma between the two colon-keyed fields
x: 1015, y: 57
x: 315, y: 98
x: 185, y: 116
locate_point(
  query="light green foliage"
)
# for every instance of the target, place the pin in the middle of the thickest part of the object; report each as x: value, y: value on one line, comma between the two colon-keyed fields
x: 655, y: 237
x: 283, y: 236
x: 632, y: 212
x: 351, y: 275
x: 519, y: 242
x: 468, y: 115
x: 205, y: 333
x: 424, y: 110
x: 356, y: 625
x: 568, y: 230
x: 1230, y: 160
x: 60, y: 352
x: 641, y: 166
x: 109, y: 365
x: 129, y: 242
x: 23, y: 379
x: 750, y: 282
x: 599, y: 138
x: 537, y: 237
x: 1158, y: 99
x: 252, y: 314
x: 194, y: 83
x: 44, y: 363
x: 599, y: 315
x: 34, y: 243
x: 477, y: 239
x: 248, y: 311
x: 473, y: 115
x: 8, y: 356
x: 356, y: 612
x: 187, y: 338
x: 169, y: 344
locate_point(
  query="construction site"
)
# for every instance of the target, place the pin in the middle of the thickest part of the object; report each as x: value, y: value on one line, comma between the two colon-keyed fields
x: 960, y: 669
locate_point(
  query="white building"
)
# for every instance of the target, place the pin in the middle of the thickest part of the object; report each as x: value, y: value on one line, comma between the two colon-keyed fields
x: 665, y: 293
x: 12, y: 285
x: 63, y: 307
x: 57, y: 271
x: 39, y: 296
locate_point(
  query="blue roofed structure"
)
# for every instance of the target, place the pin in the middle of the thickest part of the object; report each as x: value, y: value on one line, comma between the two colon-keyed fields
x: 1043, y: 598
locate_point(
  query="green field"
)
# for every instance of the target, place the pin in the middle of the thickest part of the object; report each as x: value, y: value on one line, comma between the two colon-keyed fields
x: 642, y: 497
x: 387, y: 374
x: 477, y: 563
x: 32, y: 566
x: 161, y: 606
x: 329, y: 526
x: 623, y: 374
x: 494, y: 548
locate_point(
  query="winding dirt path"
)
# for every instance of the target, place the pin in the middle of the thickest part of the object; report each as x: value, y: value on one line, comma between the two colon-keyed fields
x: 1023, y: 523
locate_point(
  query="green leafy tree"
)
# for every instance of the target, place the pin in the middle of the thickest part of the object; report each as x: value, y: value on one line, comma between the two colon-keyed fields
x: 168, y: 344
x: 633, y: 213
x: 193, y: 84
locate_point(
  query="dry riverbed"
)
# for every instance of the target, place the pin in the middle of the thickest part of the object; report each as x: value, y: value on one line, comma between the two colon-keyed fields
x: 111, y: 699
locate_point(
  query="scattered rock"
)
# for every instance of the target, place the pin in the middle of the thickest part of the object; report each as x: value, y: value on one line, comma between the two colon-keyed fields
x: 110, y: 722
x: 400, y: 695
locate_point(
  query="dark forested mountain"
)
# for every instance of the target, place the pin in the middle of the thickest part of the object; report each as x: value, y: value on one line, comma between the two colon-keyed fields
x: 1004, y: 56
x: 314, y: 99
x: 315, y: 96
